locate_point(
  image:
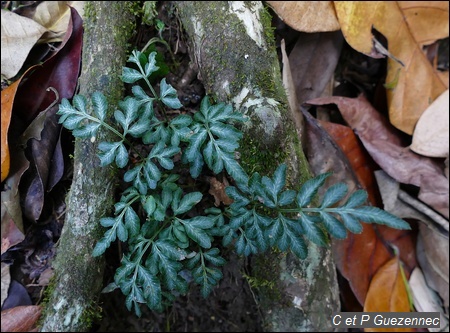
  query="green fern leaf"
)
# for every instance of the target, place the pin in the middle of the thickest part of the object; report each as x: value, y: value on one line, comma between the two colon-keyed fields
x: 151, y: 287
x: 187, y: 202
x: 100, y: 105
x: 334, y: 194
x: 376, y: 215
x: 351, y: 223
x: 131, y: 75
x: 309, y: 189
x: 356, y: 199
x: 195, y: 229
x: 86, y: 131
x: 333, y: 226
x: 312, y: 231
x: 80, y: 103
x: 169, y: 95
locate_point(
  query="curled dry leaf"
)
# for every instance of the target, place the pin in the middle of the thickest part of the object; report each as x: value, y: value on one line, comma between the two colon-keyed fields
x: 60, y: 72
x: 6, y: 280
x: 19, y: 35
x: 433, y: 257
x: 403, y: 205
x: 431, y: 136
x: 384, y: 144
x: 414, y: 82
x: 217, y: 190
x: 358, y: 256
x: 388, y: 293
x: 55, y: 16
x: 289, y: 87
x: 21, y: 318
x: 426, y: 299
x: 313, y: 62
x: 8, y: 95
x: 307, y: 16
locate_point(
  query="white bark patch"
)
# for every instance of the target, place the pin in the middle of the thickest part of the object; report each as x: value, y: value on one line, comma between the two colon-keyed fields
x: 265, y: 108
x: 297, y: 302
x: 250, y: 18
x: 240, y: 97
x: 270, y: 118
x: 226, y: 87
x: 73, y: 314
x: 198, y: 37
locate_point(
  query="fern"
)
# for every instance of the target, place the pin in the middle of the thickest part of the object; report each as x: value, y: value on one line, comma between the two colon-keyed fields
x: 169, y: 228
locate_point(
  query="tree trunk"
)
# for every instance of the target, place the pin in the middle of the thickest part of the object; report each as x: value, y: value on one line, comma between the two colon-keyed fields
x: 78, y: 277
x: 233, y: 46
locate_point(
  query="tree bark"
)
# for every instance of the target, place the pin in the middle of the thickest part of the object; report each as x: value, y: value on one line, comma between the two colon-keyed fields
x: 233, y: 46
x: 78, y: 279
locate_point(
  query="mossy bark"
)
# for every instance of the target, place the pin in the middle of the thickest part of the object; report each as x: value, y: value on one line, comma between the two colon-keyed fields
x: 71, y: 305
x: 233, y: 45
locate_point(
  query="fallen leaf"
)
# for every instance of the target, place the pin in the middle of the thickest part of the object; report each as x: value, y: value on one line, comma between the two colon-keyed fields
x: 313, y: 61
x: 21, y: 318
x: 431, y: 135
x: 55, y: 16
x: 60, y: 71
x: 6, y: 279
x: 307, y: 16
x: 388, y: 293
x: 8, y: 95
x: 433, y: 257
x: 217, y: 190
x: 360, y: 161
x: 358, y: 256
x: 289, y: 88
x: 34, y: 184
x: 426, y: 299
x: 11, y: 234
x: 384, y: 144
x: 19, y: 35
x: 414, y: 82
x: 17, y: 296
x: 403, y: 205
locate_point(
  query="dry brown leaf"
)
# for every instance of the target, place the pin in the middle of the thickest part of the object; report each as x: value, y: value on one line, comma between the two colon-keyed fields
x: 8, y: 95
x: 307, y: 16
x: 19, y: 35
x: 359, y: 256
x: 426, y: 299
x: 55, y: 16
x: 217, y: 190
x: 431, y: 136
x: 289, y: 87
x: 21, y: 318
x: 433, y: 257
x: 387, y: 293
x: 383, y: 143
x: 410, y: 88
x: 6, y: 280
x: 405, y: 206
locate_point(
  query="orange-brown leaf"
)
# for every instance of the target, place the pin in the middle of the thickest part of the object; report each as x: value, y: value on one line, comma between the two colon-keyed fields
x: 360, y: 256
x: 407, y: 28
x: 358, y: 157
x: 7, y: 103
x: 387, y: 293
x: 21, y: 318
x: 307, y: 16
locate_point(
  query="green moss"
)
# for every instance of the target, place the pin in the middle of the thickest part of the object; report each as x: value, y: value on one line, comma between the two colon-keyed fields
x: 255, y: 158
x: 48, y: 292
x: 267, y: 275
x: 91, y: 314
